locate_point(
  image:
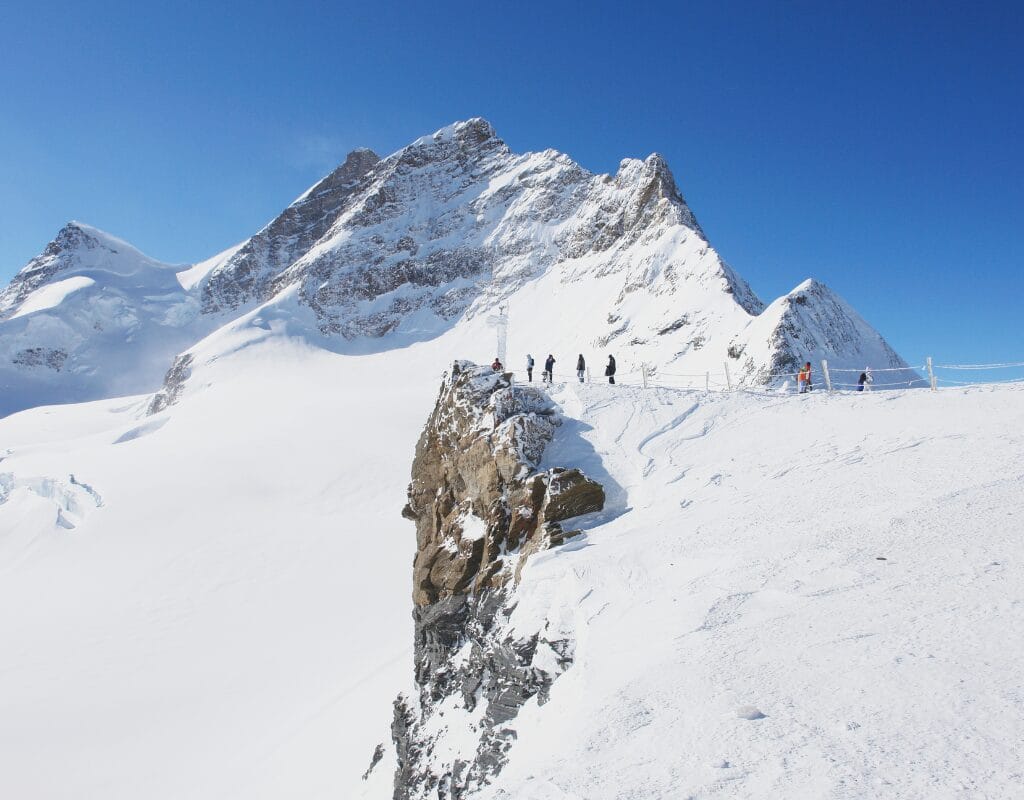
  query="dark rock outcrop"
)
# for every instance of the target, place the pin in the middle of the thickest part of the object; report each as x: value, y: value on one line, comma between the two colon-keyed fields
x: 174, y: 382
x: 52, y: 358
x: 481, y: 508
x: 48, y: 265
x: 247, y: 275
x: 452, y: 215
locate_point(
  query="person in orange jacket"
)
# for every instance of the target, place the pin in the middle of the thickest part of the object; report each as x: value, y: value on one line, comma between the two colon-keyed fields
x: 803, y: 378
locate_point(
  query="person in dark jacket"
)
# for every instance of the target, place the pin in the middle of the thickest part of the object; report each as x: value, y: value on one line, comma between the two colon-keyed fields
x: 610, y: 369
x: 549, y: 368
x: 496, y: 366
x: 581, y: 367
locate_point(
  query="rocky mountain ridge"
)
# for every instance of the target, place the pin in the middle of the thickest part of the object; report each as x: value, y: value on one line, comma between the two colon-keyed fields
x: 453, y: 216
x: 386, y: 252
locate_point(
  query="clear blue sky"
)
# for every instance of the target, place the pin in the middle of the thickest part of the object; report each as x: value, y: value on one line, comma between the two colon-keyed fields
x: 875, y: 146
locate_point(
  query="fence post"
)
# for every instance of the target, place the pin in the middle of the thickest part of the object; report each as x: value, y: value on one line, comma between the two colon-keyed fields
x: 828, y: 378
x: 728, y: 377
x: 931, y: 373
x: 643, y: 371
x: 707, y: 383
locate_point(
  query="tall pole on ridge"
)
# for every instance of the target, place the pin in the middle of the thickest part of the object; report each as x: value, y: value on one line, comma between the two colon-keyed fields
x: 500, y: 323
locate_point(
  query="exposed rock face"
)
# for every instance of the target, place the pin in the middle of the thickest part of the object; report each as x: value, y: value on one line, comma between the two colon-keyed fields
x: 476, y: 500
x: 48, y: 265
x: 481, y: 508
x: 174, y: 382
x: 427, y: 228
x: 399, y: 249
x: 41, y: 357
x: 248, y: 273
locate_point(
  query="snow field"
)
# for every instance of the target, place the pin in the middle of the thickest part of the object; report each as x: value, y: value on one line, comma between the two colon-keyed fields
x: 234, y: 619
x: 848, y: 567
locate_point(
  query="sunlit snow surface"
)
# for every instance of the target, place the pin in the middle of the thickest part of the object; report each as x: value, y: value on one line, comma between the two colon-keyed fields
x: 848, y: 567
x: 52, y: 295
x: 214, y: 602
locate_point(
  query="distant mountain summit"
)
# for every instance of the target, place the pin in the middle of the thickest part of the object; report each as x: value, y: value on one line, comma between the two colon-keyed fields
x: 451, y: 217
x: 91, y: 317
x: 76, y: 250
x: 385, y: 252
x: 249, y: 273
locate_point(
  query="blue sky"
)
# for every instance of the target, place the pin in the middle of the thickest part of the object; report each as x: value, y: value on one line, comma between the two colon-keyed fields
x: 875, y: 146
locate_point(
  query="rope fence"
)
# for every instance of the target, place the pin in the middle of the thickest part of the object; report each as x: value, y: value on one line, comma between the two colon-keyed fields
x: 834, y: 379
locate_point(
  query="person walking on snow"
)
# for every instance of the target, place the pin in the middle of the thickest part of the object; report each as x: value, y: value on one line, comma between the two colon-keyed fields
x: 496, y: 366
x: 581, y: 367
x: 549, y: 369
x: 865, y: 381
x: 610, y: 369
x: 529, y: 368
x: 803, y: 378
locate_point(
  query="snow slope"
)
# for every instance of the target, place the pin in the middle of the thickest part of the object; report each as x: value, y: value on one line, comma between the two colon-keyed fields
x: 225, y: 609
x: 807, y: 597
x: 213, y: 601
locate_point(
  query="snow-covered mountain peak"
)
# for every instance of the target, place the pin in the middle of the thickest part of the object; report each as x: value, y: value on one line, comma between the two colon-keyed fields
x: 80, y: 245
x: 77, y: 250
x: 475, y: 130
x: 77, y: 235
x: 653, y: 167
x: 815, y: 294
x: 812, y: 323
x: 382, y: 253
x: 654, y: 194
x: 355, y: 166
x: 90, y: 317
x: 247, y: 274
x: 462, y: 145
